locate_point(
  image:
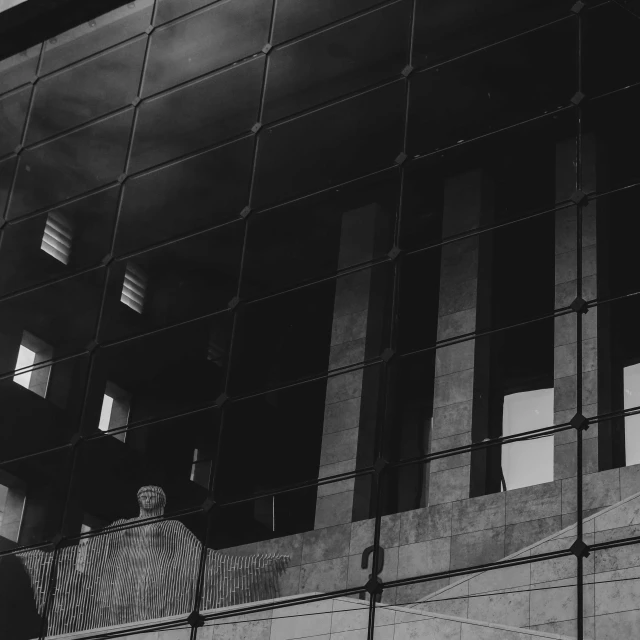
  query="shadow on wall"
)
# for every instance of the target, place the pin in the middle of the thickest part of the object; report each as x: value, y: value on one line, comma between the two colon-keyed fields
x: 19, y: 619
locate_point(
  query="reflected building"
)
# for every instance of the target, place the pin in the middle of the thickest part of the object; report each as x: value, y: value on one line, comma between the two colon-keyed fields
x: 348, y: 289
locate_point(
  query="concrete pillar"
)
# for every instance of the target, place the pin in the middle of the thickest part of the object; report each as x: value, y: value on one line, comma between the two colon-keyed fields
x: 565, y: 330
x: 449, y: 478
x: 334, y: 503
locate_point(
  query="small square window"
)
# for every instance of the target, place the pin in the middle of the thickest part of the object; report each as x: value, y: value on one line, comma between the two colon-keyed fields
x: 116, y: 404
x: 134, y: 287
x: 31, y: 353
x: 200, y: 468
x: 56, y: 240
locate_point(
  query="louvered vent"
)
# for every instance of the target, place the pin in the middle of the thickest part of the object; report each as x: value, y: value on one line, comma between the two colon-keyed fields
x: 57, y: 237
x: 134, y: 288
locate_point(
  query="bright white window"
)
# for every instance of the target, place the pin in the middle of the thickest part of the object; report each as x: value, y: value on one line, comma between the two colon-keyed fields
x: 114, y: 412
x: 12, y: 499
x: 134, y: 287
x: 632, y: 423
x: 531, y: 461
x: 26, y: 358
x: 56, y: 240
x: 32, y: 352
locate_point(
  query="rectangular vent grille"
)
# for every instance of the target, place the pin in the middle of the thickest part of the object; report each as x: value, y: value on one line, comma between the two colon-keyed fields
x: 134, y: 288
x: 56, y: 240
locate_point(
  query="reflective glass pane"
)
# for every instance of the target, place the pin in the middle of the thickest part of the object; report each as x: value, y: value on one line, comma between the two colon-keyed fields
x: 197, y: 115
x: 36, y: 495
x: 70, y: 165
x: 612, y: 128
x: 19, y: 69
x: 98, y: 34
x: 62, y: 314
x: 223, y: 33
x: 498, y: 86
x: 505, y: 176
x: 13, y: 109
x: 7, y: 168
x: 314, y: 430
x: 44, y: 416
x: 295, y: 17
x: 320, y: 235
x: 187, y: 196
x: 93, y: 88
x: 162, y: 374
x: 327, y: 326
x: 445, y: 29
x: 182, y: 281
x: 348, y: 140
x: 170, y: 9
x: 610, y: 46
x: 175, y: 455
x: 57, y: 243
x: 337, y: 61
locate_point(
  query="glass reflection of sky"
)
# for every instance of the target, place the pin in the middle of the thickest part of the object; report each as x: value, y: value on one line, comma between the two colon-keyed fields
x: 529, y: 462
x: 7, y: 4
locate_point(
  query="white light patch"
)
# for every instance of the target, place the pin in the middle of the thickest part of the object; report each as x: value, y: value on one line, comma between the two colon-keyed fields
x: 26, y: 358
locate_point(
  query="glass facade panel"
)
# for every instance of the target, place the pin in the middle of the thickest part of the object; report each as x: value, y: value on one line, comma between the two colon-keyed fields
x: 222, y: 34
x: 191, y: 195
x: 365, y: 136
x: 195, y: 116
x: 65, y: 167
x: 318, y: 319
x: 337, y: 61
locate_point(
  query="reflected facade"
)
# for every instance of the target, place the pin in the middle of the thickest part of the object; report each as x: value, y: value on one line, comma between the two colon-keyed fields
x: 319, y: 319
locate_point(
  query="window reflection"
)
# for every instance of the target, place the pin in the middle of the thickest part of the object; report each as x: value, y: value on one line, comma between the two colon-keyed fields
x: 632, y: 423
x: 527, y: 462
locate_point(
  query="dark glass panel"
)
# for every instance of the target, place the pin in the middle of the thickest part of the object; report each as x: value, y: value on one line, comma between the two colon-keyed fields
x: 611, y: 131
x: 337, y: 61
x: 40, y: 484
x: 113, y: 467
x: 335, y: 144
x: 418, y: 304
x: 445, y: 28
x: 63, y: 315
x: 497, y: 172
x: 165, y: 373
x: 610, y: 47
x: 295, y: 17
x: 496, y: 87
x: 197, y: 115
x: 187, y: 196
x: 170, y: 9
x: 609, y: 217
x: 408, y: 432
x: 95, y: 36
x: 32, y: 422
x: 24, y: 262
x: 317, y: 236
x: 327, y: 326
x: 19, y: 69
x: 13, y: 109
x: 184, y: 280
x: 68, y: 166
x: 20, y: 611
x: 7, y: 168
x: 92, y: 89
x: 224, y: 33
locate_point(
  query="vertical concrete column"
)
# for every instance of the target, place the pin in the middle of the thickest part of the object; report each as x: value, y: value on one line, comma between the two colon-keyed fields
x: 344, y: 391
x: 449, y: 478
x: 566, y: 375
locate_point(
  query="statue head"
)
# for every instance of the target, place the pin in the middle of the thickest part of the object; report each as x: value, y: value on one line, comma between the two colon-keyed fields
x: 152, y: 501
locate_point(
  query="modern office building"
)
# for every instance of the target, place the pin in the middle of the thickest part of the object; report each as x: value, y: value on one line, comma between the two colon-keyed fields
x: 319, y: 319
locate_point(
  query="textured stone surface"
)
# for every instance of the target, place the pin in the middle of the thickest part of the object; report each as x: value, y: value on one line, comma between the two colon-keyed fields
x: 449, y: 485
x: 452, y: 419
x: 421, y: 558
x: 485, y: 512
x: 534, y: 503
x: 334, y: 509
x: 477, y: 548
x: 426, y: 524
x: 341, y: 416
x: 328, y: 575
x: 326, y: 544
